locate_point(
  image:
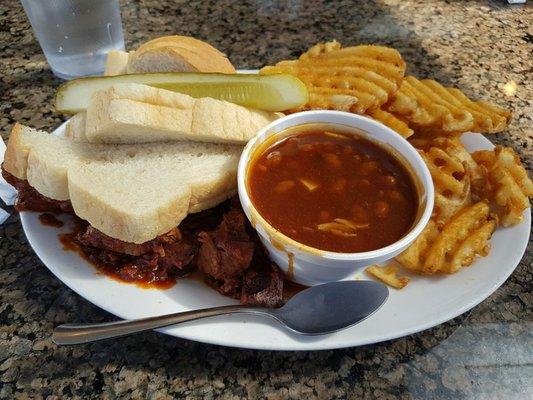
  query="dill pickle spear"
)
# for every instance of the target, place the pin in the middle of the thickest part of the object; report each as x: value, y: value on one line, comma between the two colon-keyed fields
x: 277, y: 92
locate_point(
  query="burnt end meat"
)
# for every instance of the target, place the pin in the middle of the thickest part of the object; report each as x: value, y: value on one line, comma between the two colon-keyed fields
x: 30, y: 199
x: 148, y: 268
x: 262, y: 288
x: 226, y: 252
x: 230, y: 287
x: 206, y: 220
x: 237, y: 265
x: 94, y: 238
x: 161, y: 259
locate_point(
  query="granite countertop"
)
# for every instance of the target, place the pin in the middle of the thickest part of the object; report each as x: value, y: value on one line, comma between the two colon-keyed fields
x: 480, y: 46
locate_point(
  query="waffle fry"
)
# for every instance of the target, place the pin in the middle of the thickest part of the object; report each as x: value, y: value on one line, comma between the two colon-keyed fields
x: 454, y: 148
x: 430, y: 132
x: 509, y: 187
x: 454, y: 245
x: 488, y: 118
x: 412, y: 258
x: 421, y: 105
x: 452, y: 183
x: 390, y: 120
x: 388, y: 275
x: 426, y: 103
x: 353, y: 79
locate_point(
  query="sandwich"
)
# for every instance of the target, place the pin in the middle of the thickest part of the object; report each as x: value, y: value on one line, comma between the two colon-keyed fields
x: 151, y: 212
x: 132, y: 192
x: 169, y: 54
x: 134, y: 113
x: 147, y: 175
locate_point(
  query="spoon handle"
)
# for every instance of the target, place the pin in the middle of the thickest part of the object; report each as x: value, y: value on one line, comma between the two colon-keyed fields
x: 85, y: 333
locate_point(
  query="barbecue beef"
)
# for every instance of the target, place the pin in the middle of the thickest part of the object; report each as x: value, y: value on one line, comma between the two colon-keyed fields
x: 226, y: 252
x: 262, y: 288
x: 237, y: 264
x: 163, y: 258
x: 94, y: 238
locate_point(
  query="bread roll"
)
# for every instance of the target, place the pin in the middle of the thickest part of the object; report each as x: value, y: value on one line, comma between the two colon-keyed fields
x: 178, y: 54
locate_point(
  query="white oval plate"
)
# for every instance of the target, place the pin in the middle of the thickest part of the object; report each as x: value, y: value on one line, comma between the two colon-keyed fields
x: 424, y: 303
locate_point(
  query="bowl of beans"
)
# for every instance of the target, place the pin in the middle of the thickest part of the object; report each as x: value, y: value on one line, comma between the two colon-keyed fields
x: 331, y: 192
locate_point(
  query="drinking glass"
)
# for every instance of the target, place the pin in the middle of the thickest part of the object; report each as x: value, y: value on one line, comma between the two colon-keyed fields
x: 75, y: 35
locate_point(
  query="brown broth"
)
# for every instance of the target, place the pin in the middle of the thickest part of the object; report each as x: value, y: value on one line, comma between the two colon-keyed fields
x: 333, y: 191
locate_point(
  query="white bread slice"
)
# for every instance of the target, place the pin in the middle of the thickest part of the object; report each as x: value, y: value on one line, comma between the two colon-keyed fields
x: 140, y: 198
x: 111, y: 199
x: 116, y: 62
x: 134, y: 113
x: 178, y: 54
x: 129, y: 192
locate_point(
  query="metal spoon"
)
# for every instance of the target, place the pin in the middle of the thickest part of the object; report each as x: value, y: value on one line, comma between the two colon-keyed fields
x: 318, y: 310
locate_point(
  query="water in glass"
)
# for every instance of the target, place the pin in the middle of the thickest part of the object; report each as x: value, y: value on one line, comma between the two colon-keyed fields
x: 75, y: 35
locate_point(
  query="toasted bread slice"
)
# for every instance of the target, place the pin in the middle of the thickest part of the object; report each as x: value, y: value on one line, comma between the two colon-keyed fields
x: 130, y: 192
x: 133, y: 113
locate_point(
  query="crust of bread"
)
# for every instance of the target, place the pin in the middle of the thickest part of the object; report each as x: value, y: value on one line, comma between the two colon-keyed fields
x: 178, y: 53
x: 43, y: 159
x: 206, y: 205
x: 75, y: 128
x: 116, y: 62
x: 16, y: 155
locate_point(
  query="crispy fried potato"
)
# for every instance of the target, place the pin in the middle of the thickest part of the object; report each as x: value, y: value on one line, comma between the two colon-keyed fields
x: 457, y: 234
x: 351, y: 79
x: 412, y: 258
x: 452, y: 246
x: 421, y: 105
x: 426, y: 103
x: 392, y: 121
x: 455, y: 148
x: 488, y: 118
x: 447, y: 171
x: 509, y: 187
x: 477, y: 243
x: 430, y: 132
x: 388, y: 275
x: 451, y: 180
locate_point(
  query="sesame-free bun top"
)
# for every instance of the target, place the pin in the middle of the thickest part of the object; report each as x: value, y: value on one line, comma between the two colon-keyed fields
x: 178, y: 54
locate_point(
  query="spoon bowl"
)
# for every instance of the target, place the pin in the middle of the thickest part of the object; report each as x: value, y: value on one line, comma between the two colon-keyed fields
x: 332, y: 306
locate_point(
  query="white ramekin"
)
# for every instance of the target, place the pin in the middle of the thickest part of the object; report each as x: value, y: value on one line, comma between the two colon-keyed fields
x: 310, y: 266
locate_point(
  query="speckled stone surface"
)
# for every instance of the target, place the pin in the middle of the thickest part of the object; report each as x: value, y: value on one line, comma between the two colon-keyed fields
x: 484, y: 354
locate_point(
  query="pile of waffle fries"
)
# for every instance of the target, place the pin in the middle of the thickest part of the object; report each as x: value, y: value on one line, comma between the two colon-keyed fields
x: 474, y: 193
